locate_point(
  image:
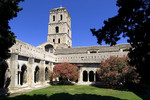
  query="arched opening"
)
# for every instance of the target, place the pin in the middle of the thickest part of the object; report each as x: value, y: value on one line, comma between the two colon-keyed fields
x: 49, y: 48
x: 23, y: 75
x: 58, y: 40
x: 57, y: 29
x: 4, y: 79
x: 85, y: 76
x: 97, y: 77
x: 53, y: 40
x: 91, y: 76
x: 46, y: 73
x: 61, y: 17
x: 53, y: 18
x: 36, y: 74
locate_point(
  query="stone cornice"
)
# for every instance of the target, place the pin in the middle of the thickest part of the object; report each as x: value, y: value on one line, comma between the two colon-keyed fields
x: 59, y: 23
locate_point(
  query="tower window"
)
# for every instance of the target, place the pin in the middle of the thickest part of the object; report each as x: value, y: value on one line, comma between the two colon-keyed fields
x: 61, y: 17
x: 58, y: 40
x: 57, y: 29
x: 53, y: 18
x: 54, y: 40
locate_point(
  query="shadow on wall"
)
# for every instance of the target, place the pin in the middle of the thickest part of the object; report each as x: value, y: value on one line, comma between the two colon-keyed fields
x: 64, y: 96
x: 5, y: 78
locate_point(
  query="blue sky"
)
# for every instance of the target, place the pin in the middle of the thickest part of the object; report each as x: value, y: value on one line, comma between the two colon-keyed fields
x: 31, y: 24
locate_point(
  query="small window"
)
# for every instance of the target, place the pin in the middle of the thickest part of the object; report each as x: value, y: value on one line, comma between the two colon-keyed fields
x: 49, y: 48
x: 54, y: 40
x: 93, y: 51
x: 58, y: 40
x: 53, y: 18
x: 57, y: 29
x: 68, y: 31
x: 61, y: 17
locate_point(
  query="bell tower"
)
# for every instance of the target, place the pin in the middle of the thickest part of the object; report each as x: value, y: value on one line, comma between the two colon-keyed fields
x: 59, y: 28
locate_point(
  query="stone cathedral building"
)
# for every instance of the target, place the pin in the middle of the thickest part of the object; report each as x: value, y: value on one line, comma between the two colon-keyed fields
x: 29, y: 67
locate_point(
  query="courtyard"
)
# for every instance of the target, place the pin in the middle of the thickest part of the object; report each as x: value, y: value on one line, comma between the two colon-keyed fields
x: 78, y: 92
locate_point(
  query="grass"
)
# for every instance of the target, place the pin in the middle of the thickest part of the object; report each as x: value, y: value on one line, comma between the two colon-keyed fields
x: 77, y: 92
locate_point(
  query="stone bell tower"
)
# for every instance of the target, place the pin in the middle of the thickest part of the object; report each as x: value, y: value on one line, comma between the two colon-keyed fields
x: 59, y: 28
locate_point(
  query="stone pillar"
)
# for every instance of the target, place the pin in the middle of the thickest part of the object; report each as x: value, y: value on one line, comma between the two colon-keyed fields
x: 30, y: 71
x: 14, y: 71
x: 80, y: 80
x: 19, y: 77
x: 42, y: 72
x: 88, y: 76
x: 52, y: 65
x: 94, y: 77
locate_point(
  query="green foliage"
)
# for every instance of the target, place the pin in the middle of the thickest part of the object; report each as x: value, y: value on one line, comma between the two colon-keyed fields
x: 65, y: 71
x: 132, y: 21
x: 117, y: 71
x: 8, y: 10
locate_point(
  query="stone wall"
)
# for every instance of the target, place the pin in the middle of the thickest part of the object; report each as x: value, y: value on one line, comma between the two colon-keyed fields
x: 88, y: 58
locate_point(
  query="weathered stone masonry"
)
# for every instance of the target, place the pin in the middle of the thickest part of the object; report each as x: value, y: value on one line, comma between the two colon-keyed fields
x: 29, y: 67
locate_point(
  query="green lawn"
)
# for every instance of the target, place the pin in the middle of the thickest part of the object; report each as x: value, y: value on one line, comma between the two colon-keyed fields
x: 77, y: 92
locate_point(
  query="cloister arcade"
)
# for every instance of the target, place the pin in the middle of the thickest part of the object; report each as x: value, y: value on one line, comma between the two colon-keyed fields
x: 90, y: 76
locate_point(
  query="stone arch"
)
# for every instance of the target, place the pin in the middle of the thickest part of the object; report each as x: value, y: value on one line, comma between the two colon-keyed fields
x: 23, y: 75
x: 91, y: 76
x: 46, y: 74
x: 36, y: 74
x: 4, y: 75
x: 49, y: 48
x: 85, y: 76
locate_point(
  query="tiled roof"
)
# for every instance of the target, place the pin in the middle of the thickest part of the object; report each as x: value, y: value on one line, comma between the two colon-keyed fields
x: 84, y: 50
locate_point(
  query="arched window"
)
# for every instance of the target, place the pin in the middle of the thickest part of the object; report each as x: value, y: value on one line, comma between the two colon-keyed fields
x: 53, y: 18
x: 58, y: 40
x: 49, y: 48
x: 61, y: 17
x: 54, y: 40
x: 57, y: 29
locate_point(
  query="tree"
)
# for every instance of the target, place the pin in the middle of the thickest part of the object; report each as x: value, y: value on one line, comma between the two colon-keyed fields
x: 65, y: 71
x: 8, y: 10
x: 117, y: 71
x: 132, y: 21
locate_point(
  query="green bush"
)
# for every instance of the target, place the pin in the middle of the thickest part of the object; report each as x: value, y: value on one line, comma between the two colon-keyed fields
x: 117, y: 71
x: 65, y: 72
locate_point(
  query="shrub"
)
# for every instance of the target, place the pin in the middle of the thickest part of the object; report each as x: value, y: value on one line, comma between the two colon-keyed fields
x: 65, y: 71
x: 117, y: 71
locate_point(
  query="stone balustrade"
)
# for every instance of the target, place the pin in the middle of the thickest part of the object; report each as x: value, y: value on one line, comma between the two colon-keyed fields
x: 88, y: 58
